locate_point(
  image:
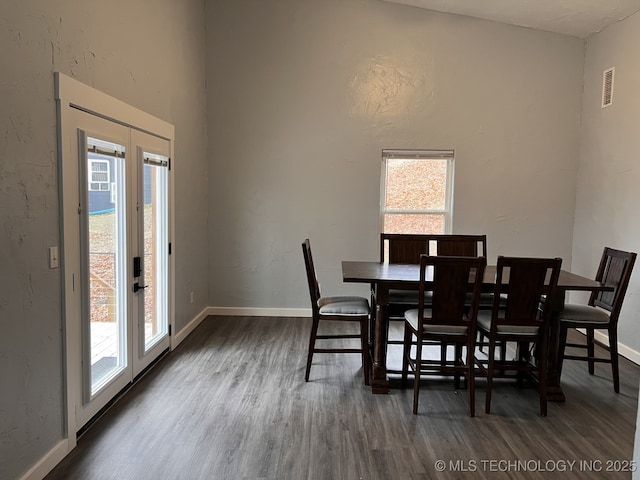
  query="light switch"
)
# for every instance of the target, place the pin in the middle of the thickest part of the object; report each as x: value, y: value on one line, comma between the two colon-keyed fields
x: 53, y: 257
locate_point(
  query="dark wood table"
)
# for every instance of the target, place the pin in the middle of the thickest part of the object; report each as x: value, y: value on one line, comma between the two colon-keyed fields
x: 386, y: 276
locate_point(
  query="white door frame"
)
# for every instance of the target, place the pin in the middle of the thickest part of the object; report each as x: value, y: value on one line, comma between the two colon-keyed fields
x: 73, y: 95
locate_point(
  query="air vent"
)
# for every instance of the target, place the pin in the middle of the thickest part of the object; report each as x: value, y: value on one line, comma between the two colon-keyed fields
x: 607, y: 87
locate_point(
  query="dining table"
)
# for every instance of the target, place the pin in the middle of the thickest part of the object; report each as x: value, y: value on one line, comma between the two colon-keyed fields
x: 384, y: 277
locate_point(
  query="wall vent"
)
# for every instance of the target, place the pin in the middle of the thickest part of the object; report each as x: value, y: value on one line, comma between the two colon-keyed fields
x: 607, y: 87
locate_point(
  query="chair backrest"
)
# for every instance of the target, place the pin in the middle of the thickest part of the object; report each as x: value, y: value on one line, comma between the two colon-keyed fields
x: 614, y: 271
x: 450, y: 279
x: 407, y: 248
x: 459, y: 245
x: 312, y: 280
x: 403, y: 248
x: 521, y: 282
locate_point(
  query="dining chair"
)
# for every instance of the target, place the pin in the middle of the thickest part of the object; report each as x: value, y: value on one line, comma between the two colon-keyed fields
x: 464, y: 246
x: 337, y: 308
x: 601, y: 313
x: 447, y: 319
x: 407, y: 248
x: 521, y: 318
x: 402, y: 248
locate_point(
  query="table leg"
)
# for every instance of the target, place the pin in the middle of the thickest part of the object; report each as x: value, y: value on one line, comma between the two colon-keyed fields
x: 379, y: 381
x: 554, y: 366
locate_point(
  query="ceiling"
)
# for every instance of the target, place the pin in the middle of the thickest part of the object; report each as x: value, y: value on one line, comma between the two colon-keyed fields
x: 579, y: 18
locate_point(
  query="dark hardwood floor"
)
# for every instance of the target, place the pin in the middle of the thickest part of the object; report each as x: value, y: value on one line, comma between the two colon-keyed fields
x: 231, y: 403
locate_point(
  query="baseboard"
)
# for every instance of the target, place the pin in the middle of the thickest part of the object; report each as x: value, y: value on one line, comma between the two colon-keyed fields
x: 236, y: 312
x: 191, y: 326
x: 260, y: 312
x: 627, y: 352
x: 48, y: 462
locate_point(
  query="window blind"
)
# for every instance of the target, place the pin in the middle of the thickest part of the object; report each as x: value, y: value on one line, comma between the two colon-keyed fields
x: 419, y: 154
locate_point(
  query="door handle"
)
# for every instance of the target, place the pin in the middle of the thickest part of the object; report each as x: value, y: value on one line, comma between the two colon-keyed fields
x: 137, y: 286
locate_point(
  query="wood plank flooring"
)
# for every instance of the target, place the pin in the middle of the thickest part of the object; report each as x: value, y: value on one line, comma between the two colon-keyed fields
x: 231, y: 403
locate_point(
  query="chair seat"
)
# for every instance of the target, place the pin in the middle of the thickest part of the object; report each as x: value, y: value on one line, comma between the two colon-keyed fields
x: 344, y: 305
x: 411, y: 316
x: 484, y: 322
x: 584, y: 314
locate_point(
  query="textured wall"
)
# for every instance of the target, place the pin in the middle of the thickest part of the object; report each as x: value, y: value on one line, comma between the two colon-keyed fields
x: 149, y: 53
x: 609, y: 173
x: 302, y: 97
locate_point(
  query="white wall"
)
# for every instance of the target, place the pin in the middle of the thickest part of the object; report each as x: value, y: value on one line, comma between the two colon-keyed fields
x: 302, y: 97
x: 149, y: 53
x: 609, y: 171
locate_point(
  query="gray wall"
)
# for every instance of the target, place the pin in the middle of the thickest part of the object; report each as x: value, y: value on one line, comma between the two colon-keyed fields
x: 148, y: 53
x: 302, y: 97
x: 609, y: 173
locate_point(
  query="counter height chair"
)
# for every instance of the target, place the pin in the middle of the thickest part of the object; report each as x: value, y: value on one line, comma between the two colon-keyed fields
x: 342, y: 309
x: 402, y: 248
x: 518, y: 315
x: 407, y: 248
x: 601, y: 313
x: 448, y: 319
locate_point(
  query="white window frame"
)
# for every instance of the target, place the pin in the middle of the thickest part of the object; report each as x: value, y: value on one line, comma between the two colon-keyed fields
x: 99, y: 183
x: 447, y: 211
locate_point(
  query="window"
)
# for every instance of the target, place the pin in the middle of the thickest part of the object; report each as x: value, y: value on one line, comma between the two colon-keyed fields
x: 99, y: 175
x: 417, y: 191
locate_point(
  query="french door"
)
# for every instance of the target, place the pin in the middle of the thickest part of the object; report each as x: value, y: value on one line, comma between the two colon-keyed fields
x: 121, y: 259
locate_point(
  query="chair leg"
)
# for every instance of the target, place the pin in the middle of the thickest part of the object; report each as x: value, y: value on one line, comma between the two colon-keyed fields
x: 471, y: 381
x: 490, y: 370
x: 562, y: 343
x: 457, y: 361
x: 591, y: 350
x: 481, y: 340
x: 406, y: 351
x: 416, y: 379
x: 613, y: 350
x: 542, y: 374
x: 443, y: 353
x: 312, y: 346
x: 523, y: 358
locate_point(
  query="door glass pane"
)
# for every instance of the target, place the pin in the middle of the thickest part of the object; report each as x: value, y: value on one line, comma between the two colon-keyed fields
x: 106, y: 221
x: 156, y: 243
